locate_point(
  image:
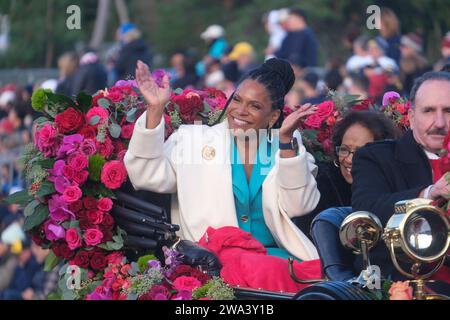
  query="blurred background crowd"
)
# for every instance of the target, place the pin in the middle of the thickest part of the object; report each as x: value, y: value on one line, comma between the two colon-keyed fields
x: 328, y: 45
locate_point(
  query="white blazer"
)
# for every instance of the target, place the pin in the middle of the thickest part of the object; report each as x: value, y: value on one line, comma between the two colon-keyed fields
x: 194, y: 165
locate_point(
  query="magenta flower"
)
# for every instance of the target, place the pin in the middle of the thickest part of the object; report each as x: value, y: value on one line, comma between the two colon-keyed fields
x: 61, y: 183
x: 183, y: 295
x: 100, y: 293
x: 158, y: 76
x: 126, y: 83
x: 53, y: 231
x: 57, y: 168
x: 388, y: 96
x: 70, y: 144
x: 58, y: 209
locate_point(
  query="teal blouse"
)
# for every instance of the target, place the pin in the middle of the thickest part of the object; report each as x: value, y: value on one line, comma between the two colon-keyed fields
x: 248, y: 196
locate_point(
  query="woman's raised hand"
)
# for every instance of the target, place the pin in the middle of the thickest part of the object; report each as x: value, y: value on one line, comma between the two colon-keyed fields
x: 155, y: 96
x: 292, y: 121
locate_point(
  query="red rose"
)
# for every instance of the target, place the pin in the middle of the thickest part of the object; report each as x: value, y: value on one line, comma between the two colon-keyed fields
x: 108, y: 221
x: 93, y: 237
x: 73, y: 239
x: 68, y: 172
x: 115, y: 96
x: 82, y: 259
x: 107, y: 234
x: 69, y: 121
x: 185, y: 270
x: 76, y: 206
x: 62, y: 250
x: 78, y: 161
x: 127, y: 131
x: 331, y: 121
x: 85, y: 223
x: 105, y: 204
x: 98, y: 261
x: 313, y: 122
x: 89, y: 132
x: 118, y: 146
x: 89, y: 203
x: 113, y: 174
x: 114, y: 258
x: 106, y: 148
x: 95, y: 216
x: 80, y: 177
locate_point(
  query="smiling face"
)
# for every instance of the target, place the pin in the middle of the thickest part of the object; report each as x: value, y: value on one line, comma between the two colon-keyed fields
x: 430, y: 118
x: 354, y: 138
x: 251, y: 108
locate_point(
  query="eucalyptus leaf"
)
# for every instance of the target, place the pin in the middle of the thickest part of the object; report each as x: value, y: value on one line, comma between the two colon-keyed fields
x: 115, y: 130
x: 178, y: 91
x: 104, y: 103
x: 206, y: 107
x: 94, y: 120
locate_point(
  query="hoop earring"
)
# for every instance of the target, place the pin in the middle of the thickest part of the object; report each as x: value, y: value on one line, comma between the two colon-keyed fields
x: 269, y: 135
x: 336, y: 163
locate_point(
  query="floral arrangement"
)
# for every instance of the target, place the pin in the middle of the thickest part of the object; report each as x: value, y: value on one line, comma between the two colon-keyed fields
x: 396, y: 108
x: 187, y: 106
x: 76, y: 163
x: 148, y: 279
x: 317, y: 129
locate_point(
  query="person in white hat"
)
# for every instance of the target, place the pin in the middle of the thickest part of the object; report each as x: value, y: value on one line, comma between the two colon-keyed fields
x: 214, y: 36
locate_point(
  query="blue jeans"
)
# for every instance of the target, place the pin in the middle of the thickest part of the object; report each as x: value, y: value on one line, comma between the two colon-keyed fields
x: 337, y: 262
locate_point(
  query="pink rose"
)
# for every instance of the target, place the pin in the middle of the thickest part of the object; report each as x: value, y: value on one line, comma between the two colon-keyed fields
x: 106, y: 148
x: 115, y: 96
x: 80, y: 177
x: 185, y: 283
x: 78, y: 161
x: 72, y: 194
x: 313, y: 121
x: 68, y: 172
x: 401, y: 291
x: 105, y: 204
x: 73, y: 239
x: 93, y: 237
x: 47, y: 140
x: 325, y: 109
x: 127, y: 131
x: 113, y: 174
x: 97, y: 111
x: 87, y: 147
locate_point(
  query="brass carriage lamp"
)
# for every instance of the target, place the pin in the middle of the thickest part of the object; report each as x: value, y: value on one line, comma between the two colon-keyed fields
x: 418, y: 236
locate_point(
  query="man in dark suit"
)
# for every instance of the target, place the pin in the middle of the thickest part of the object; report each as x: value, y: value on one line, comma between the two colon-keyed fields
x: 299, y: 46
x: 389, y: 171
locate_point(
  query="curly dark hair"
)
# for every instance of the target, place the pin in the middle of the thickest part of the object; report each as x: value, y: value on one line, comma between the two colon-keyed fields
x: 376, y: 122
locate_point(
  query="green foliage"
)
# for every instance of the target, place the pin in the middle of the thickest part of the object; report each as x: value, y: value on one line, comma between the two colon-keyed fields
x: 50, y: 262
x: 143, y: 261
x: 21, y: 197
x: 39, y: 99
x: 40, y: 214
x: 96, y: 163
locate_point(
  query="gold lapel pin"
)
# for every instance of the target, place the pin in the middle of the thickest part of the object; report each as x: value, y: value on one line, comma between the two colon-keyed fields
x: 208, y: 153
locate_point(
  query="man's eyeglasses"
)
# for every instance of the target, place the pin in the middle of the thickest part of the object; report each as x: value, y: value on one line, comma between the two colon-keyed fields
x: 344, y: 151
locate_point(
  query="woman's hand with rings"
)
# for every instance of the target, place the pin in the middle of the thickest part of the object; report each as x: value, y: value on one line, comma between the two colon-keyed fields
x: 293, y: 121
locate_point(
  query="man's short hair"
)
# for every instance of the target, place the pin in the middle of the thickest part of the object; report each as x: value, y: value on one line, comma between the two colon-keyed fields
x: 433, y: 75
x: 299, y: 13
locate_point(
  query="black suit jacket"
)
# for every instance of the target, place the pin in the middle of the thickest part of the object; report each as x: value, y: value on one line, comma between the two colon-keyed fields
x: 383, y: 173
